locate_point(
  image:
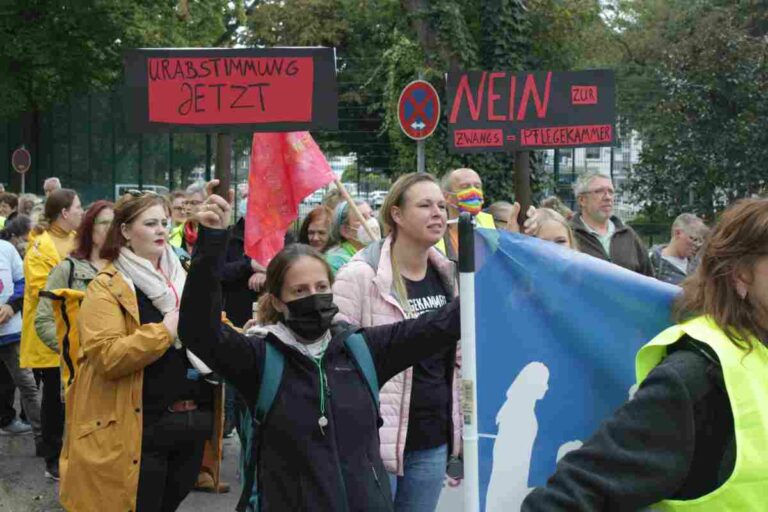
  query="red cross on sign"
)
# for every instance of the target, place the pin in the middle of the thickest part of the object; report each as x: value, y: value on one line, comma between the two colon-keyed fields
x: 418, y: 110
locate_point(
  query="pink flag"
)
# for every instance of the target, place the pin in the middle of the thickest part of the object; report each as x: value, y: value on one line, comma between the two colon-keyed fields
x: 285, y: 168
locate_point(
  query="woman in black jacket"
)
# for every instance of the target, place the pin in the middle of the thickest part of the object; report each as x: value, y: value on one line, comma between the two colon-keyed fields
x: 320, y: 445
x: 694, y: 435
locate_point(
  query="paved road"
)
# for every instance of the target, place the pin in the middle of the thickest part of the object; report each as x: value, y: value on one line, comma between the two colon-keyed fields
x: 24, y: 488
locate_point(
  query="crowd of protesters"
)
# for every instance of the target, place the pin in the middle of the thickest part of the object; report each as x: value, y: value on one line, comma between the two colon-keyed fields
x: 139, y: 333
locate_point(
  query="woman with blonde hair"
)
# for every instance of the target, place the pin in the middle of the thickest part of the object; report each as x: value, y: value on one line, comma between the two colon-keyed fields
x: 695, y: 435
x: 552, y: 227
x: 401, y: 277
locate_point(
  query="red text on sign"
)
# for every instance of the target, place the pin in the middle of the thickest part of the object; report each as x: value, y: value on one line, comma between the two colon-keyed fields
x: 566, y: 135
x: 584, y: 95
x: 491, y: 87
x: 478, y: 138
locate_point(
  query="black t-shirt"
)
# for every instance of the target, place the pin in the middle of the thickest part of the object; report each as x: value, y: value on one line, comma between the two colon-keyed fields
x: 431, y: 393
x: 165, y: 380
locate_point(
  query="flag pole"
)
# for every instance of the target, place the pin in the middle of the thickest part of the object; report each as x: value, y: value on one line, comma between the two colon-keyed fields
x: 353, y: 207
x: 469, y: 362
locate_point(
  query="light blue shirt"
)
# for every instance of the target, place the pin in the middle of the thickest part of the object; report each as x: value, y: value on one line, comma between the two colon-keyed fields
x: 11, y: 277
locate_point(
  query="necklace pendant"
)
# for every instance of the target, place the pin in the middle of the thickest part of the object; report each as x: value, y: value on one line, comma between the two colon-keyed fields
x: 323, y: 422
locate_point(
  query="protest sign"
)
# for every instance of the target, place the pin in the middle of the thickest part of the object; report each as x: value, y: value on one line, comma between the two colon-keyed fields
x: 221, y: 90
x: 507, y: 111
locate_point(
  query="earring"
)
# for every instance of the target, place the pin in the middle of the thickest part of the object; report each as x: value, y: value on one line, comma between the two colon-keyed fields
x: 741, y: 289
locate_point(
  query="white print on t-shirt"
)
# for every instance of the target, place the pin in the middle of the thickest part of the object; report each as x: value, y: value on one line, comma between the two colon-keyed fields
x: 428, y: 303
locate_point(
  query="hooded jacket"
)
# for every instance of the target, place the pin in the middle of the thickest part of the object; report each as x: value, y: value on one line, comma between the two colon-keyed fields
x: 303, y: 466
x: 101, y: 456
x: 366, y: 297
x: 627, y: 250
x: 39, y: 260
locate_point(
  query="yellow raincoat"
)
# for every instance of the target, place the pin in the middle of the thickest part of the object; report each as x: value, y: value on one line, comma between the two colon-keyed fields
x: 66, y: 308
x: 101, y: 456
x: 39, y: 260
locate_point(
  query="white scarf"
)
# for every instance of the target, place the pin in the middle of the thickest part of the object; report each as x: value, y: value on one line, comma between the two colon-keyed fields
x: 313, y: 350
x: 162, y: 286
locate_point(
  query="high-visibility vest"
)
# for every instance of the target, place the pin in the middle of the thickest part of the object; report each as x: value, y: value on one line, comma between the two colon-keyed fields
x: 66, y: 308
x: 482, y: 220
x: 746, y: 381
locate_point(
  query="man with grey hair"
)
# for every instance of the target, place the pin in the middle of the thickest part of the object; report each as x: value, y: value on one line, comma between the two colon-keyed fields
x: 51, y: 184
x: 674, y: 261
x: 599, y: 232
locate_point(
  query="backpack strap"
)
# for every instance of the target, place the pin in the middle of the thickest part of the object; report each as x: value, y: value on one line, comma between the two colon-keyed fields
x: 357, y: 346
x: 271, y: 376
x: 71, y: 277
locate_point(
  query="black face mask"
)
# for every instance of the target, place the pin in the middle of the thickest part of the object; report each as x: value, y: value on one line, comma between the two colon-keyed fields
x: 311, y: 316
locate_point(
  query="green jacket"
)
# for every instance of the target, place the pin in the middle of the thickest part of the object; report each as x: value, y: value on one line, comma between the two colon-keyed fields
x: 340, y: 255
x: 80, y: 273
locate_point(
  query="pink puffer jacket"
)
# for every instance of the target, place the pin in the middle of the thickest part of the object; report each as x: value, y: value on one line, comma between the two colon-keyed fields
x: 365, y: 296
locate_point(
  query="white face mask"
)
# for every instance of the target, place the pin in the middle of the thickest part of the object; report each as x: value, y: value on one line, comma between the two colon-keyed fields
x: 362, y: 234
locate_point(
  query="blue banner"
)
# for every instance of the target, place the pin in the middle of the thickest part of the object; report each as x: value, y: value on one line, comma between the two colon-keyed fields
x: 557, y: 334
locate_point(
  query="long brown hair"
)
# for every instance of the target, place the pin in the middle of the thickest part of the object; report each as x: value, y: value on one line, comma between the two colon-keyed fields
x: 276, y: 271
x: 738, y: 241
x: 127, y: 209
x: 57, y: 201
x: 84, y: 240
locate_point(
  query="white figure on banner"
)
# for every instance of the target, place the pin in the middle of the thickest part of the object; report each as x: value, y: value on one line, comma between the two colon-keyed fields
x: 517, y: 429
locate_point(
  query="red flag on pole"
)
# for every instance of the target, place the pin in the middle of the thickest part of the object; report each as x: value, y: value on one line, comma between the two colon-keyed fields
x: 285, y: 168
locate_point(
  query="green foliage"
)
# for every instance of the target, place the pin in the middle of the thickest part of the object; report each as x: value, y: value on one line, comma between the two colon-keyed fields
x: 51, y: 49
x: 696, y: 77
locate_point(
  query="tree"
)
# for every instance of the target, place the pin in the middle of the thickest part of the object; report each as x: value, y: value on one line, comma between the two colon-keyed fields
x: 695, y: 79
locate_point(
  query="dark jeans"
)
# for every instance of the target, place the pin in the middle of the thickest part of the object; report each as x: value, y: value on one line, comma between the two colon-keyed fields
x: 51, y: 413
x: 230, y: 399
x: 7, y: 395
x: 171, y: 454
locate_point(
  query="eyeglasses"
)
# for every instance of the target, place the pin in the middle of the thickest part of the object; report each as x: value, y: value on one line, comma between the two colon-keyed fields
x: 601, y: 192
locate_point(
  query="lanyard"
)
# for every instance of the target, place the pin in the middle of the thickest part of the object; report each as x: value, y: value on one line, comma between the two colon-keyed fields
x: 322, y: 421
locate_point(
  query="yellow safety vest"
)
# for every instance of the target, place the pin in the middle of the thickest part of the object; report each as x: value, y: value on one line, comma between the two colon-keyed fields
x: 746, y: 381
x: 482, y: 220
x: 66, y: 308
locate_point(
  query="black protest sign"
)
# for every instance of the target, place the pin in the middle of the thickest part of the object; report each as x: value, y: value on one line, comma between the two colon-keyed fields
x: 507, y: 111
x: 224, y: 90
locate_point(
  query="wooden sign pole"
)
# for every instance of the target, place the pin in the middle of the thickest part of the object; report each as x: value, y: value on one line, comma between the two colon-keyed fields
x: 223, y: 163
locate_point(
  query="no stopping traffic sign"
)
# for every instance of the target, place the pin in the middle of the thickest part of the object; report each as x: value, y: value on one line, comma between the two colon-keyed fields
x: 418, y: 110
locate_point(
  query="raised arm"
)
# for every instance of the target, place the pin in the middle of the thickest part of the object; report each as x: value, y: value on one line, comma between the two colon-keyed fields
x: 398, y: 346
x: 234, y: 356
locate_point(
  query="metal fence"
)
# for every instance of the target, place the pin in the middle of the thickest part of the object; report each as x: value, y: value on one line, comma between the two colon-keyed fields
x: 84, y: 143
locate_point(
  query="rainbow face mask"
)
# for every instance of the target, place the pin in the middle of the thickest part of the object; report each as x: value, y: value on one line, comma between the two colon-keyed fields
x: 470, y: 200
